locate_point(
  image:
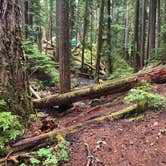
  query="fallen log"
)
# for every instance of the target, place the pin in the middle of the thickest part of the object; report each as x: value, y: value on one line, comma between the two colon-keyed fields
x: 110, y: 87
x: 52, y: 136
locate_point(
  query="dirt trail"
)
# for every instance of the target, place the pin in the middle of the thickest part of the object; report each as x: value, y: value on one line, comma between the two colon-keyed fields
x: 120, y: 143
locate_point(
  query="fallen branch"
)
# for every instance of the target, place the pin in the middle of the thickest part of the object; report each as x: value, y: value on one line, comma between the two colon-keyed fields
x: 111, y: 87
x: 89, y: 155
x: 34, y: 93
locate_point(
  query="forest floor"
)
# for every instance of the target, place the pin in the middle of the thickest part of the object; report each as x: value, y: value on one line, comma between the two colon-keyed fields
x: 139, y: 140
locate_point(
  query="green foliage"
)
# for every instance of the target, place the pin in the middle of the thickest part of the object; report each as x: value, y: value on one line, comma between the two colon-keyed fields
x: 145, y: 99
x: 121, y: 68
x: 10, y: 128
x: 34, y: 161
x: 42, y: 65
x: 52, y: 156
x: 23, y: 164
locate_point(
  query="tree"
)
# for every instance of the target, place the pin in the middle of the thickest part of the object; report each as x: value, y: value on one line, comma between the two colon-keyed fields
x: 84, y: 33
x: 14, y: 80
x: 64, y: 45
x: 152, y: 27
x: 136, y: 37
x: 109, y: 58
x: 158, y: 23
x: 143, y: 32
x: 100, y: 42
x: 126, y: 53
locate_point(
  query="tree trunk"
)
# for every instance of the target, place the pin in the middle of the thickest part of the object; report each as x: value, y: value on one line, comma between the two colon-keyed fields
x: 110, y: 87
x: 158, y: 23
x: 84, y: 33
x: 64, y: 45
x: 109, y: 57
x: 15, y: 88
x: 47, y: 25
x: 127, y: 34
x: 51, y: 20
x: 143, y: 33
x: 100, y: 42
x: 136, y: 37
x: 39, y: 39
x: 57, y: 30
x: 152, y: 30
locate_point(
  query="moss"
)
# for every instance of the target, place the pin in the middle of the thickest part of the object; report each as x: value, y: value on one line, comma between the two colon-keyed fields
x: 117, y: 115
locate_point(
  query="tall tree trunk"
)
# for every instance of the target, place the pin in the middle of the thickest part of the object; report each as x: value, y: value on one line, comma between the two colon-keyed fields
x: 127, y: 34
x: 152, y: 27
x: 158, y: 23
x: 91, y: 36
x: 47, y: 25
x: 39, y: 39
x: 51, y: 21
x: 143, y: 33
x: 84, y: 33
x: 136, y: 37
x: 100, y: 41
x: 64, y: 45
x: 57, y: 31
x: 109, y: 58
x: 26, y: 15
x: 15, y: 87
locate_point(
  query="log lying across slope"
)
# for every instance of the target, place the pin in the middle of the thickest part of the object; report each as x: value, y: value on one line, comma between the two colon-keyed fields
x: 155, y: 75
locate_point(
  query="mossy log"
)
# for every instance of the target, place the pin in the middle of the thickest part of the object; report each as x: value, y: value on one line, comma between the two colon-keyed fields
x: 110, y: 87
x: 30, y: 143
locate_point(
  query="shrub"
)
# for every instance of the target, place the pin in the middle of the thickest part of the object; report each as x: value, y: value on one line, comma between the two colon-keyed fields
x: 52, y: 156
x: 145, y: 99
x: 42, y: 65
x: 10, y: 128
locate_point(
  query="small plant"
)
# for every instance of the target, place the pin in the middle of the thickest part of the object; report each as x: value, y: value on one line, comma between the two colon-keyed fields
x: 10, y: 128
x: 52, y: 156
x: 120, y: 67
x: 145, y: 99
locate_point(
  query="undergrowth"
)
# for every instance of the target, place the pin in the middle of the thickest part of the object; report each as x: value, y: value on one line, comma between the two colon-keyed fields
x: 50, y: 156
x: 146, y: 99
x: 10, y: 126
x: 41, y: 65
x: 120, y: 67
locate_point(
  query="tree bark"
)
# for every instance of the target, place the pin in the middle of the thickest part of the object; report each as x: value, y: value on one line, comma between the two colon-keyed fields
x: 109, y: 57
x: 152, y: 30
x: 158, y: 23
x: 110, y: 87
x: 143, y: 33
x: 136, y: 37
x: 64, y: 45
x: 15, y: 86
x: 100, y: 42
x: 84, y: 34
x: 126, y: 53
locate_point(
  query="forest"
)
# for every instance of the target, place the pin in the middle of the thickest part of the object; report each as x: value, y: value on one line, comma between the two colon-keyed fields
x: 82, y: 82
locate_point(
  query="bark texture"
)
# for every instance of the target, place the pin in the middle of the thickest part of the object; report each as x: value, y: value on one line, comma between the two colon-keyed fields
x: 14, y: 80
x: 64, y: 45
x: 100, y: 42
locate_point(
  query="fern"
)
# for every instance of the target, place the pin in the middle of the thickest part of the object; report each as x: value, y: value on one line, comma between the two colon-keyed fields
x: 144, y: 98
x: 43, y: 66
x: 10, y: 128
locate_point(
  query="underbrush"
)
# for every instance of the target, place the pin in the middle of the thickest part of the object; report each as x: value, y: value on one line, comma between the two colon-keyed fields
x: 10, y: 126
x: 146, y: 99
x: 40, y: 65
x: 120, y: 67
x: 50, y: 156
